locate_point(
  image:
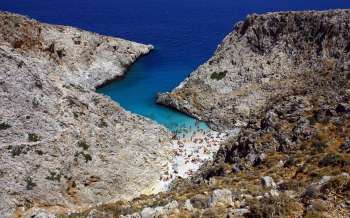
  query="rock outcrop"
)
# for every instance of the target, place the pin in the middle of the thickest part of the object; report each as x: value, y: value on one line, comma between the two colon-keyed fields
x: 62, y: 145
x: 266, y: 58
x: 284, y: 79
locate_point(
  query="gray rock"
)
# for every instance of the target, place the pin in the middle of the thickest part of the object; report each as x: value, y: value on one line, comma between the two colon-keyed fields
x: 266, y: 57
x: 134, y: 215
x: 160, y: 211
x: 148, y: 212
x: 39, y: 213
x: 268, y: 182
x: 236, y: 168
x: 61, y: 142
x: 221, y: 196
x: 345, y: 175
x: 325, y: 179
x: 274, y: 193
x: 345, y: 147
x: 241, y: 211
x: 200, y: 201
x: 92, y: 214
x: 171, y: 206
x: 188, y: 206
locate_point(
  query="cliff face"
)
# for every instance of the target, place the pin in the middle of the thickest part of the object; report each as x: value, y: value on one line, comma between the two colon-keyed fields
x: 267, y: 57
x: 62, y: 144
x: 284, y: 78
x: 84, y: 58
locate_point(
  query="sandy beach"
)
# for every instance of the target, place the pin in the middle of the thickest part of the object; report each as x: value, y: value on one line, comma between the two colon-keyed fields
x: 190, y: 151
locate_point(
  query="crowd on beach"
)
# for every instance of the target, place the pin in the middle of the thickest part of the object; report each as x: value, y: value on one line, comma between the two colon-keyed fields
x: 190, y: 150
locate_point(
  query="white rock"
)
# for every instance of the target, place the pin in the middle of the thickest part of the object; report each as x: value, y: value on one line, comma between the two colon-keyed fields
x: 188, y: 206
x: 240, y: 212
x: 148, y: 212
x: 325, y: 179
x: 221, y: 196
x: 274, y: 193
x: 268, y: 182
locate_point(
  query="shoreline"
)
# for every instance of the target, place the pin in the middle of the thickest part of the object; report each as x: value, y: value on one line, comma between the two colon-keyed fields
x: 125, y: 70
x: 190, y: 152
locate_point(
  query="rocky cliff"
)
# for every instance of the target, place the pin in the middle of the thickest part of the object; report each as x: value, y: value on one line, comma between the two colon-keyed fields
x: 265, y: 58
x: 62, y: 145
x: 284, y: 80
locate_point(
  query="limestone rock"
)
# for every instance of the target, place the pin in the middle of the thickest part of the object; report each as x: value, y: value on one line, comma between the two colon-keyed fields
x: 266, y: 58
x: 60, y: 142
x: 268, y: 182
x: 223, y: 196
x: 148, y: 212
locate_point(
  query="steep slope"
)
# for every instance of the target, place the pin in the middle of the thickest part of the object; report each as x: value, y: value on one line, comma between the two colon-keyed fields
x: 285, y: 82
x: 63, y: 145
x: 265, y: 57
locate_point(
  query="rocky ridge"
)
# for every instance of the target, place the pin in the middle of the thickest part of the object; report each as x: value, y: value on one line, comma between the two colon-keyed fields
x: 62, y: 145
x: 283, y: 78
x: 266, y: 57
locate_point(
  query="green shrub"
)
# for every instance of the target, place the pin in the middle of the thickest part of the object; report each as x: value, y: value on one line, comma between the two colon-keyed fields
x: 295, y: 185
x: 29, y: 183
x: 332, y: 160
x: 320, y: 146
x: 290, y: 162
x: 338, y: 184
x: 39, y: 152
x: 218, y: 76
x: 83, y: 145
x: 87, y: 157
x: 32, y: 137
x: 54, y: 176
x: 4, y: 126
x: 16, y: 150
x: 102, y: 123
x: 314, y: 214
x: 281, y: 206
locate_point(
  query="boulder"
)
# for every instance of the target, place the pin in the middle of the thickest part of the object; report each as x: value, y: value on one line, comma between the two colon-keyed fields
x: 267, y: 182
x: 223, y: 196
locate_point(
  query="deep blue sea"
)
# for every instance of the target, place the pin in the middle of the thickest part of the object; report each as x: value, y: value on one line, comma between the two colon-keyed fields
x: 185, y: 34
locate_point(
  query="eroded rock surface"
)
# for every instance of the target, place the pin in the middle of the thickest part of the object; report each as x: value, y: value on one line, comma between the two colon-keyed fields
x: 62, y: 144
x: 284, y: 79
x: 266, y: 58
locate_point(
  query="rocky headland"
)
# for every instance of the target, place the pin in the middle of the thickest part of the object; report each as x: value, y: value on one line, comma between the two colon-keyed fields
x: 63, y: 146
x: 264, y: 59
x: 281, y: 83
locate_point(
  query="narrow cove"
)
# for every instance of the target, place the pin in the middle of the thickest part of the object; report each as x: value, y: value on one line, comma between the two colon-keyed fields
x: 136, y: 92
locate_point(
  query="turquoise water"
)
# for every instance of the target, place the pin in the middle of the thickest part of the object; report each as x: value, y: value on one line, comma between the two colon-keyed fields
x: 185, y: 34
x: 137, y: 90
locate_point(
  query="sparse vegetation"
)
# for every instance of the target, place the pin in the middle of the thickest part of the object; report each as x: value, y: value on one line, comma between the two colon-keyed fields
x: 320, y: 146
x: 218, y: 76
x: 16, y: 150
x: 314, y: 214
x: 4, y: 126
x: 282, y: 206
x: 102, y: 123
x: 333, y: 160
x: 82, y: 144
x: 39, y: 152
x: 87, y: 157
x: 54, y: 176
x: 61, y: 53
x: 29, y: 183
x: 32, y: 137
x: 338, y: 184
